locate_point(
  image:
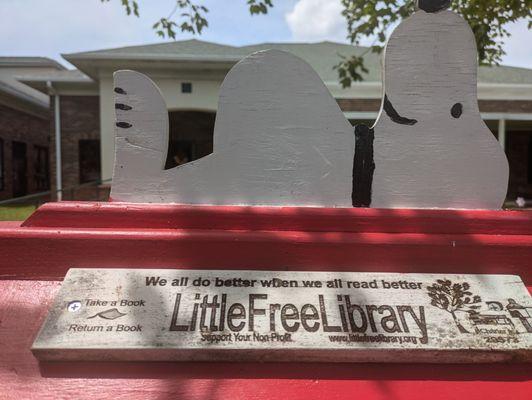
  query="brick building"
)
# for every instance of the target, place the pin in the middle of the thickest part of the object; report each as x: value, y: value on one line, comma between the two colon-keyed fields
x: 189, y: 74
x: 24, y: 128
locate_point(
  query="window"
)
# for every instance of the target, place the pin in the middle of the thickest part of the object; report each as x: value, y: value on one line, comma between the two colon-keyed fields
x: 1, y: 164
x: 19, y: 168
x: 186, y: 87
x: 89, y: 160
x: 42, y: 168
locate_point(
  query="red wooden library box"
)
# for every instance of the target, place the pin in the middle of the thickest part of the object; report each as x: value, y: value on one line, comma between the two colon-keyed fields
x: 35, y: 255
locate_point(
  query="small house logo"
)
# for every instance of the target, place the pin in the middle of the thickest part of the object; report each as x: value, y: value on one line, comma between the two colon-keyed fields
x: 457, y: 298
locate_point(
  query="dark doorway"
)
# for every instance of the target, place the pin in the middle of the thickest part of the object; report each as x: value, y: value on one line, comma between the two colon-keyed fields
x: 20, y: 183
x: 89, y: 160
x: 1, y: 164
x: 519, y: 153
x: 191, y: 134
x: 530, y: 159
x: 42, y: 168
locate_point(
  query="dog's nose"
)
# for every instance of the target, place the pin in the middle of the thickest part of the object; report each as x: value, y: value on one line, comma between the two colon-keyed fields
x: 432, y: 6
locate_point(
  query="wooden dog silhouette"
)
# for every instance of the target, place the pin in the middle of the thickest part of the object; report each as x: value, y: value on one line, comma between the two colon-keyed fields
x: 430, y: 147
x: 280, y: 139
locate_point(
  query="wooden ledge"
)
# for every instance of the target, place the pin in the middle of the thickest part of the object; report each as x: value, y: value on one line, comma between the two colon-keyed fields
x: 59, y: 236
x: 171, y: 216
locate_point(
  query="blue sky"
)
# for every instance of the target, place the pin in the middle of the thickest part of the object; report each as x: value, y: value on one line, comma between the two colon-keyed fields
x: 51, y: 27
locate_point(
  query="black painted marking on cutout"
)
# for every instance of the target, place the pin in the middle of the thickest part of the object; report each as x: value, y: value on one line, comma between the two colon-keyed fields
x: 457, y: 110
x: 120, y: 90
x: 123, y: 107
x: 363, y: 166
x: 394, y: 115
x: 432, y: 6
x: 124, y: 125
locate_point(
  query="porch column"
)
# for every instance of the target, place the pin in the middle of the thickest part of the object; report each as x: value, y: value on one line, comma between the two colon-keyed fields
x: 57, y: 123
x: 502, y: 133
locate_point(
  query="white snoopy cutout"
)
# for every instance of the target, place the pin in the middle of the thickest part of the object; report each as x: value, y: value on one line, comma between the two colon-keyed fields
x: 431, y: 148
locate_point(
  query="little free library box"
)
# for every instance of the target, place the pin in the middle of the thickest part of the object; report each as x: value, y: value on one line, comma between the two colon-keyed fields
x: 302, y: 259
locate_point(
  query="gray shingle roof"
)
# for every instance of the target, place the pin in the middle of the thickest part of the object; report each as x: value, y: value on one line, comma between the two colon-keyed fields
x: 11, y: 86
x: 29, y: 62
x: 323, y: 56
x: 191, y: 47
x: 505, y: 74
x: 72, y: 75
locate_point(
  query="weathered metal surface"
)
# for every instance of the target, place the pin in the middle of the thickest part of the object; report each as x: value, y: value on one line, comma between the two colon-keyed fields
x: 111, y: 314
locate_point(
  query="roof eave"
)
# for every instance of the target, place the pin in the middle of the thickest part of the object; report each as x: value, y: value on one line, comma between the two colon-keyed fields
x: 41, y: 84
x: 17, y: 100
x: 90, y: 65
x: 13, y: 92
x: 151, y: 57
x: 37, y: 63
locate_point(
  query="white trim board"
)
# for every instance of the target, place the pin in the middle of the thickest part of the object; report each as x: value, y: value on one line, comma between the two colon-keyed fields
x: 486, y: 91
x: 485, y: 116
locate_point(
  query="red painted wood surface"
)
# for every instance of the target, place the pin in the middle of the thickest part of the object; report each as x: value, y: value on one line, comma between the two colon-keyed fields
x: 62, y: 235
x: 368, y: 220
x: 35, y: 255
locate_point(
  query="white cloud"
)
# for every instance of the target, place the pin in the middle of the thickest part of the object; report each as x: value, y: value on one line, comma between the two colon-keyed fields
x: 314, y: 20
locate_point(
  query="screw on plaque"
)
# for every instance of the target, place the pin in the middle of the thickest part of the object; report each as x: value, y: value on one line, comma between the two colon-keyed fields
x: 74, y: 306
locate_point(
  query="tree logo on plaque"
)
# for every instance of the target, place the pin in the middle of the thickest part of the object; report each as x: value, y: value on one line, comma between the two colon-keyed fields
x: 453, y: 298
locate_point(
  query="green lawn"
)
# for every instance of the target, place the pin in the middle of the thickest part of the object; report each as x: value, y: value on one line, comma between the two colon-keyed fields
x: 15, y: 212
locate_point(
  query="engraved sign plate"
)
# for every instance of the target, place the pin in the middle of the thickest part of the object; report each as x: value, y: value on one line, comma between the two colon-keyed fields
x: 209, y: 315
